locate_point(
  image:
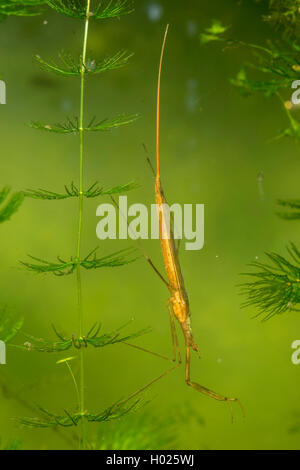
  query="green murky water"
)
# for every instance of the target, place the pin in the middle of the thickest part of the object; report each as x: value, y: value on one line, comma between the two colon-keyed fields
x: 213, y: 146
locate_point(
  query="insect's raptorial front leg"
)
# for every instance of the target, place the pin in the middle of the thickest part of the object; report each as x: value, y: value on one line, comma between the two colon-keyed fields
x: 204, y: 390
x: 175, y: 342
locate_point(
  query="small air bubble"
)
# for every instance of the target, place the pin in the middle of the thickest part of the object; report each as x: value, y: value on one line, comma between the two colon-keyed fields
x: 191, y: 28
x: 154, y: 11
x: 91, y: 65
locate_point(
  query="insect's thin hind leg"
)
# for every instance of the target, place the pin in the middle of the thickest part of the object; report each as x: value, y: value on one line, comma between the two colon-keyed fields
x: 175, y: 342
x: 142, y: 389
x: 204, y: 390
x: 148, y: 259
x: 147, y: 351
x: 149, y: 161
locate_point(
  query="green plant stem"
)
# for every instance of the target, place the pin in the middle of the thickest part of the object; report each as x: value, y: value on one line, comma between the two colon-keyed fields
x: 74, y: 382
x: 80, y: 215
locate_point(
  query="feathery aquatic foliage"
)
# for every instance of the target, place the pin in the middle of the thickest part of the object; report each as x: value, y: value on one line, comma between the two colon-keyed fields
x: 293, y: 205
x: 9, y: 205
x: 284, y: 15
x: 93, y: 191
x: 10, y: 445
x: 20, y: 8
x: 214, y: 32
x: 275, y: 68
x: 9, y: 324
x: 73, y: 126
x: 102, y: 9
x: 92, y: 338
x: 279, y: 65
x: 276, y: 288
x: 69, y: 67
x: 69, y: 419
x: 81, y: 67
x: 137, y: 432
x: 64, y: 268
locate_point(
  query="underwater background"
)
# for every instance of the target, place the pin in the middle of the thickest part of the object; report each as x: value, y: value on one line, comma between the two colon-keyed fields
x: 214, y: 145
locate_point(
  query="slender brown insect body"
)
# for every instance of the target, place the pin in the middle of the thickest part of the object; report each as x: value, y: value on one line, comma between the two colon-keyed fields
x: 179, y: 299
x: 178, y: 303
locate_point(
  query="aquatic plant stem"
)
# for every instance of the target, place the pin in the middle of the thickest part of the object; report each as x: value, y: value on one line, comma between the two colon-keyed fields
x: 80, y: 216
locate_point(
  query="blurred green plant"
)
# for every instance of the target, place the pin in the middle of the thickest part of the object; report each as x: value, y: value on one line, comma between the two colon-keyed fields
x: 9, y: 205
x: 276, y: 286
x: 284, y: 15
x: 9, y: 325
x: 11, y: 445
x: 137, y: 432
x: 20, y: 8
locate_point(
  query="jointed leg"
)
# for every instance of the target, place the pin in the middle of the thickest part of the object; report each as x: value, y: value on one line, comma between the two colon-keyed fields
x: 147, y: 351
x: 148, y: 259
x: 149, y: 160
x: 142, y: 389
x: 204, y: 390
x: 175, y: 343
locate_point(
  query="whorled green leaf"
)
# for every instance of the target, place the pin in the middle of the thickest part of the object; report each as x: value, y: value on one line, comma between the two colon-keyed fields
x: 248, y: 87
x: 214, y: 32
x: 20, y: 7
x: 294, y: 209
x: 9, y: 205
x: 102, y: 9
x: 276, y: 288
x: 10, y: 325
x: 91, y: 261
x: 93, y: 191
x: 72, y: 126
x: 12, y: 444
x: 292, y: 132
x: 69, y: 419
x: 69, y: 67
x: 92, y: 338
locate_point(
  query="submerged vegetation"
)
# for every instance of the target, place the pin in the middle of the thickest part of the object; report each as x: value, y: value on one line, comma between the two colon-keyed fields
x: 274, y: 67
x: 9, y: 324
x: 20, y: 8
x: 87, y: 336
x: 81, y: 68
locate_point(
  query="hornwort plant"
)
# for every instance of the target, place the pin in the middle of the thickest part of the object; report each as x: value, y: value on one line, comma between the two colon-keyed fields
x: 9, y: 204
x: 9, y: 326
x: 276, y: 285
x: 20, y: 8
x: 81, y: 68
